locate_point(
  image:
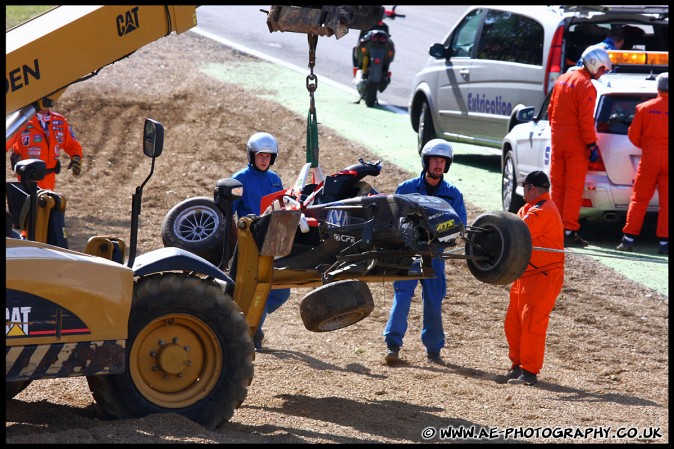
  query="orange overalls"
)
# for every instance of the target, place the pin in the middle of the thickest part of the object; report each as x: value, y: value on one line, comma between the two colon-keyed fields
x: 650, y: 132
x: 571, y: 115
x: 533, y: 295
x: 33, y: 142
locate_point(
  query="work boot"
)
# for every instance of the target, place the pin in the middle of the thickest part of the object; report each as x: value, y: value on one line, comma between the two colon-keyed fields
x: 663, y: 247
x: 525, y: 378
x: 257, y: 340
x: 392, y: 355
x: 434, y: 357
x: 573, y: 239
x: 626, y: 244
x: 514, y: 373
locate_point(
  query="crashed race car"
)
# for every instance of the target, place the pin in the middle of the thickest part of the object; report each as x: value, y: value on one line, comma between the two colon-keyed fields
x: 349, y: 232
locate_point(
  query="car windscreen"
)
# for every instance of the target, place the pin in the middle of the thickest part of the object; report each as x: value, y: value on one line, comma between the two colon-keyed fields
x: 616, y: 111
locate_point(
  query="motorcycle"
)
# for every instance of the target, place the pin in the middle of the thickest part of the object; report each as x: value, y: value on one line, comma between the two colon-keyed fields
x: 372, y: 57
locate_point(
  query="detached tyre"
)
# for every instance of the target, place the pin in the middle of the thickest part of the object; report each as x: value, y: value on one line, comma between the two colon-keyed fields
x: 195, y: 225
x: 336, y: 305
x: 189, y: 352
x: 502, y: 242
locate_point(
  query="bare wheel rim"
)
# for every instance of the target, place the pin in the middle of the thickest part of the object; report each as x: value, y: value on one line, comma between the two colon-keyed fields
x: 175, y: 361
x: 196, y: 223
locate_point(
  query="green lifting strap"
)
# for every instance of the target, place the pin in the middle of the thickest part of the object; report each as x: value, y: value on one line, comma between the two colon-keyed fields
x: 312, y: 137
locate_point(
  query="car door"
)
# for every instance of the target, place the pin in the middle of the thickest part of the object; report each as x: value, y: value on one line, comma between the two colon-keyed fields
x: 506, y: 71
x: 454, y: 76
x: 534, y: 144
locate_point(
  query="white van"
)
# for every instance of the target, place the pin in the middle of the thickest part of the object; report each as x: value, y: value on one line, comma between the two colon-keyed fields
x: 498, y: 59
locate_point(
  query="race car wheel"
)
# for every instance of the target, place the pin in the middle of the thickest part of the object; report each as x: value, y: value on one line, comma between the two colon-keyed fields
x: 189, y: 352
x: 505, y: 240
x: 426, y: 129
x: 510, y: 199
x: 14, y: 388
x: 336, y: 305
x: 195, y: 225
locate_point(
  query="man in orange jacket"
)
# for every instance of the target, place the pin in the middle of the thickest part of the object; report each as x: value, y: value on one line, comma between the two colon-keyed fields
x: 650, y: 132
x: 574, y: 137
x: 44, y: 137
x: 533, y: 295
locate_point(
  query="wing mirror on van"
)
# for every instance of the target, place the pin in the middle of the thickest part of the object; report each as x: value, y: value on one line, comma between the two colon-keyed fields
x: 437, y: 51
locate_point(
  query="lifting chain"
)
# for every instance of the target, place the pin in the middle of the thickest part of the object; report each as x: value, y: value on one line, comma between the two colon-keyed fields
x: 312, y: 123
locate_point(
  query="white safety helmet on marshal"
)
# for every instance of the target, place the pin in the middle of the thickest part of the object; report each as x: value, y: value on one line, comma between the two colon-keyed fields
x: 439, y: 148
x: 261, y: 143
x: 594, y: 58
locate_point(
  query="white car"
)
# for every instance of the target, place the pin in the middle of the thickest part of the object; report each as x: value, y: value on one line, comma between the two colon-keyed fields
x: 608, y: 184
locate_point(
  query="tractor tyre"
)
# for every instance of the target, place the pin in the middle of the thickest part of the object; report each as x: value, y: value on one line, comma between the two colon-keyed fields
x: 196, y: 225
x: 505, y: 240
x: 14, y: 388
x: 336, y: 305
x: 189, y: 352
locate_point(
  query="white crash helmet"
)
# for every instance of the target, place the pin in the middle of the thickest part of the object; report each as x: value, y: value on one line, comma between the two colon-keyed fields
x: 261, y: 143
x: 439, y: 148
x: 594, y: 58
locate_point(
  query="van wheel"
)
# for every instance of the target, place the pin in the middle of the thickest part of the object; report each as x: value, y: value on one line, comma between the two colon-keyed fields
x: 189, y: 352
x: 504, y: 241
x: 426, y: 129
x: 511, y: 201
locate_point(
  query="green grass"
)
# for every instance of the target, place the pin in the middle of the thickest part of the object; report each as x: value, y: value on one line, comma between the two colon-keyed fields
x: 16, y: 14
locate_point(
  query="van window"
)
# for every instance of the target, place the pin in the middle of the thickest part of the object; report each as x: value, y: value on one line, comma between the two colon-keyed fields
x: 510, y: 37
x: 465, y: 34
x: 617, y: 111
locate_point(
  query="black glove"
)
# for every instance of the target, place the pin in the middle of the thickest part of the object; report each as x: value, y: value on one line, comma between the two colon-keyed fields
x: 75, y: 165
x: 593, y: 152
x: 14, y: 158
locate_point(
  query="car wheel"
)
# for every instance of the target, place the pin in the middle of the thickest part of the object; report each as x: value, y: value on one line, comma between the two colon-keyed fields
x: 195, y: 225
x: 370, y: 94
x: 189, y: 352
x: 426, y: 129
x: 14, y: 388
x: 511, y: 201
x: 336, y: 305
x: 498, y: 247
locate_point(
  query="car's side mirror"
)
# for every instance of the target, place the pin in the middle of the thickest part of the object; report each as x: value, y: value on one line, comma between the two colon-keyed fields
x: 153, y: 138
x: 227, y: 190
x: 437, y: 51
x: 525, y: 114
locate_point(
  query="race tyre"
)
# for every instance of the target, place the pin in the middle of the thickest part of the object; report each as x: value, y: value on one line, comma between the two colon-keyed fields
x: 370, y: 94
x: 14, y: 388
x: 502, y: 242
x: 426, y: 129
x: 511, y: 201
x: 195, y: 225
x: 336, y: 305
x: 189, y: 352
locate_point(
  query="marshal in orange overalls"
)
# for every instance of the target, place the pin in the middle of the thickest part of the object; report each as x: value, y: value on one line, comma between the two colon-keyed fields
x: 650, y: 132
x: 533, y: 295
x: 34, y: 142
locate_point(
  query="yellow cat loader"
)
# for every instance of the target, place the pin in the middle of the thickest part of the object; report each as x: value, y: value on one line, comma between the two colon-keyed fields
x: 166, y: 331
